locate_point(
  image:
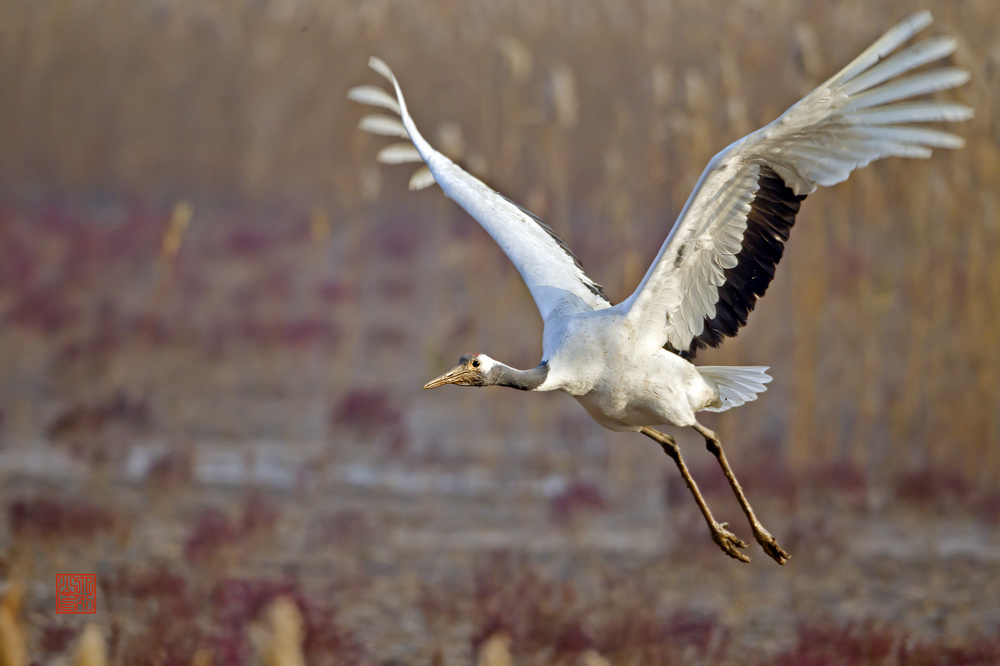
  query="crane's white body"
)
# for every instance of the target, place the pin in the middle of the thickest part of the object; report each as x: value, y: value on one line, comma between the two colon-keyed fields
x: 625, y: 383
x: 622, y: 381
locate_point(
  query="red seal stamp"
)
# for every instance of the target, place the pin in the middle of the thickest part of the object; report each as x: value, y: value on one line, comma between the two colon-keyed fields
x: 76, y: 593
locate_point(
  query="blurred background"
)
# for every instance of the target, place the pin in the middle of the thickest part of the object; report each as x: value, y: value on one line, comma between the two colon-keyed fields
x: 216, y: 313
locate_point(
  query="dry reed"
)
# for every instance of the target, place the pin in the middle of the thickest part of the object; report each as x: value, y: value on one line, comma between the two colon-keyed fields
x: 90, y: 649
x: 13, y: 645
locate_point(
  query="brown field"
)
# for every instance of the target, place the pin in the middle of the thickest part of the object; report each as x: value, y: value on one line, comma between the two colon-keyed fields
x: 216, y: 313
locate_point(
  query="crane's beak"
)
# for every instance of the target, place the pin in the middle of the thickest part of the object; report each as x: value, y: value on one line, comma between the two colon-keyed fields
x: 460, y: 375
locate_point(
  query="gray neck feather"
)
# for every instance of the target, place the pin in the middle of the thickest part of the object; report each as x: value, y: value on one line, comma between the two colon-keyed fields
x: 523, y: 380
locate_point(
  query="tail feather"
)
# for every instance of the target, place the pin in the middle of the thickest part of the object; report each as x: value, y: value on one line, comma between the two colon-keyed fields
x: 391, y: 126
x: 735, y: 384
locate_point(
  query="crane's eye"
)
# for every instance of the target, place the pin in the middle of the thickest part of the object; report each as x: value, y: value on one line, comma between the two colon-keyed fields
x: 475, y: 363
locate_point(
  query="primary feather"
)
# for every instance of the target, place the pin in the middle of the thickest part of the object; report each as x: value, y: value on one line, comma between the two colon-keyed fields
x: 554, y: 277
x: 720, y: 256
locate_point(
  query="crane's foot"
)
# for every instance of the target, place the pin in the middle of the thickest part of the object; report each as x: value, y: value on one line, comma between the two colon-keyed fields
x: 726, y: 540
x: 770, y: 545
x: 729, y: 542
x: 763, y: 537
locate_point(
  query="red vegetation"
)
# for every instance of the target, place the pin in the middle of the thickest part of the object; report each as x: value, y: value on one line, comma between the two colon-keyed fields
x: 249, y: 242
x: 578, y: 498
x: 93, y: 418
x: 933, y: 485
x: 174, y: 467
x: 159, y: 582
x: 988, y: 508
x: 825, y: 643
x: 844, y: 477
x: 258, y: 516
x: 234, y: 602
x: 212, y: 531
x: 333, y: 291
x: 822, y: 644
x: 48, y: 517
x: 547, y: 617
x: 343, y: 528
x: 44, y: 309
x: 366, y: 410
x: 400, y: 241
x: 55, y: 638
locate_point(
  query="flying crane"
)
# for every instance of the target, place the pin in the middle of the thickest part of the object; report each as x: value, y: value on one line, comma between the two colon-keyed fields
x: 630, y: 364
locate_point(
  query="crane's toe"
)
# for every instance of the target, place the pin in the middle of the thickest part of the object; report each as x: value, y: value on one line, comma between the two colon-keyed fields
x: 729, y: 542
x: 770, y: 546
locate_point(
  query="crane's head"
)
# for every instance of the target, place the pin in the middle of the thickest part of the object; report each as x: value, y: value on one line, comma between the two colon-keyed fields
x: 472, y: 370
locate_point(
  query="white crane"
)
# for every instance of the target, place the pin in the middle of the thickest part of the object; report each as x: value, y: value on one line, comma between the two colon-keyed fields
x: 629, y: 364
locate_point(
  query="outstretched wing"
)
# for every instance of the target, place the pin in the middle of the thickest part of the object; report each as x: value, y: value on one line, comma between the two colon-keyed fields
x: 553, y: 274
x: 720, y: 256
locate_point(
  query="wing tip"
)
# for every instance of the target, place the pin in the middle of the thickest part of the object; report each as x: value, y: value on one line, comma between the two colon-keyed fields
x: 379, y: 66
x: 920, y: 20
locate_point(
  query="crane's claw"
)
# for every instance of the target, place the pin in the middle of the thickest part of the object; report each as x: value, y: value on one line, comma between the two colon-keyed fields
x: 770, y: 545
x: 729, y: 542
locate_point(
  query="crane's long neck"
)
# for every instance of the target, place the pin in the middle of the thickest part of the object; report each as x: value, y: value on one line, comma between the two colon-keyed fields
x: 522, y: 380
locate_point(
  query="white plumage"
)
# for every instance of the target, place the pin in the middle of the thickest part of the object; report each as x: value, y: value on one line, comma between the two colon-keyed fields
x: 629, y: 364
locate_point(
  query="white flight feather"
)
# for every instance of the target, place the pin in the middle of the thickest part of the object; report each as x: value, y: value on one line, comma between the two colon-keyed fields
x: 421, y: 178
x: 399, y: 153
x: 373, y: 96
x: 854, y: 118
x: 556, y: 282
x: 384, y: 125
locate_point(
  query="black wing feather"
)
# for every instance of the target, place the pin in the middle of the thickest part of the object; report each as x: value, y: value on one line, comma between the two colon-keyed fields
x: 772, y: 215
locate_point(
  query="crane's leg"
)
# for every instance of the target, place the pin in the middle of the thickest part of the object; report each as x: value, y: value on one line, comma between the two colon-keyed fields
x: 726, y: 540
x: 764, y: 538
